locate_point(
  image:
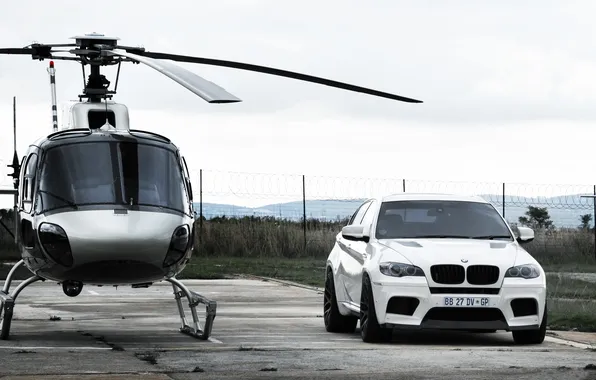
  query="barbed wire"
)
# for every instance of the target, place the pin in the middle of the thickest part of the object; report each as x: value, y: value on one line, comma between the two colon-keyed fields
x: 333, y: 197
x: 277, y: 186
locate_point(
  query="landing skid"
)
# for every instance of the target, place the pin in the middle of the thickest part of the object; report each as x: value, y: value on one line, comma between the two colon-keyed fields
x: 194, y: 299
x: 7, y: 302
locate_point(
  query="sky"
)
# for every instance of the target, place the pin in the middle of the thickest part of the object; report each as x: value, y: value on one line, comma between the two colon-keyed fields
x: 508, y: 90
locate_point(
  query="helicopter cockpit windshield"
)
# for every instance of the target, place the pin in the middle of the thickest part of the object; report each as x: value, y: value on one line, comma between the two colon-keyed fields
x: 111, y: 173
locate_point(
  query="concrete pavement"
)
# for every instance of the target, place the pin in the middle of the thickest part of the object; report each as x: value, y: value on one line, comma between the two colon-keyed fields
x: 262, y: 330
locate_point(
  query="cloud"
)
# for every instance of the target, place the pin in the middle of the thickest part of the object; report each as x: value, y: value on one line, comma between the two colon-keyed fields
x: 469, y: 63
x: 508, y: 87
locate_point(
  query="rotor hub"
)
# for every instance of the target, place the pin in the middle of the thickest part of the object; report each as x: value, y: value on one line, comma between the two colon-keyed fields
x: 91, y: 40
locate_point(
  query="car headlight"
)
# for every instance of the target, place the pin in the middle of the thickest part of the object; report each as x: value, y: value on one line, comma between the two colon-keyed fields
x: 523, y: 271
x: 400, y: 269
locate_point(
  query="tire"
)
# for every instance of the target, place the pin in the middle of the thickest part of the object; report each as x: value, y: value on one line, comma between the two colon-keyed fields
x: 370, y: 330
x: 532, y: 336
x: 334, y: 321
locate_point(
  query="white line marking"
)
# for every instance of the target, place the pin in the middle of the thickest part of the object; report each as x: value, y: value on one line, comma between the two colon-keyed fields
x: 93, y: 292
x: 53, y: 348
x: 568, y: 342
x: 213, y: 340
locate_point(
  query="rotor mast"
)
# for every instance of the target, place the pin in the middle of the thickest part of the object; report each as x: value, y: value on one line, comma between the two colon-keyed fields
x: 96, y: 85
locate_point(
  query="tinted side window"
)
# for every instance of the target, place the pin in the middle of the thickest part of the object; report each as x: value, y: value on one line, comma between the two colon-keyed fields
x: 29, y: 183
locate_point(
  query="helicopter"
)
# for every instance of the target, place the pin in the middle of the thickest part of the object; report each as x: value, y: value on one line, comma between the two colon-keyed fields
x: 99, y: 203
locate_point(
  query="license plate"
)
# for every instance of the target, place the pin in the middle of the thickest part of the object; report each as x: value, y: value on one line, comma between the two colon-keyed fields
x: 466, y: 301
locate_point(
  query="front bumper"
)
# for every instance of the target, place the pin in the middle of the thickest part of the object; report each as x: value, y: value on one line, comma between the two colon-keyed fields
x: 513, y: 306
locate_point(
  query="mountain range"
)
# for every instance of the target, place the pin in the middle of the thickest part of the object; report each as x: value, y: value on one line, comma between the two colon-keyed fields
x: 565, y: 211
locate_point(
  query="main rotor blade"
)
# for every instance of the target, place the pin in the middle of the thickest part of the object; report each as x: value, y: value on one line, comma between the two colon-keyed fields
x: 24, y: 51
x: 274, y: 71
x: 209, y: 91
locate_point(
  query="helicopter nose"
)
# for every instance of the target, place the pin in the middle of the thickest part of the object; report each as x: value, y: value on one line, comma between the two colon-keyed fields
x: 100, y: 235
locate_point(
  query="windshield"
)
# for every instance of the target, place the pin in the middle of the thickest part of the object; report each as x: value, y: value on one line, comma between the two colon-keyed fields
x: 111, y: 173
x: 440, y: 219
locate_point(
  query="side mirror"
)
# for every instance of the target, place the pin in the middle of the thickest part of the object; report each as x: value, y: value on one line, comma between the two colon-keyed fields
x: 525, y: 235
x: 356, y: 233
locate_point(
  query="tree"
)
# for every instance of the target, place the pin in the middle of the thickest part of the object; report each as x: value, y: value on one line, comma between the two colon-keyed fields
x: 537, y: 218
x: 585, y: 221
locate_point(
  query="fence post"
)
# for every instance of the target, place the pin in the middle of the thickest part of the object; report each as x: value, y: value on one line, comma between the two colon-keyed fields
x: 403, y: 185
x: 503, y: 200
x: 200, y: 208
x: 304, y: 209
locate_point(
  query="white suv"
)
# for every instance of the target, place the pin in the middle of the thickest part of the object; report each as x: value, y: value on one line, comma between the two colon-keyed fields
x: 433, y: 261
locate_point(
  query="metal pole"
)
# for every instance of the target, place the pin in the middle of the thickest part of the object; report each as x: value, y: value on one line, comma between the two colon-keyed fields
x: 52, y: 72
x: 304, y: 209
x: 200, y: 206
x: 594, y: 202
x: 14, y: 123
x: 15, y: 161
x: 503, y: 200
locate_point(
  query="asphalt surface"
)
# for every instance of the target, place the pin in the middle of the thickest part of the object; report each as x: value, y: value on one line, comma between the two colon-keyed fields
x: 263, y: 329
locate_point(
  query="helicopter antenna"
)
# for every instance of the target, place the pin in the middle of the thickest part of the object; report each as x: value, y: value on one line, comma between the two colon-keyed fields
x: 107, y: 124
x: 52, y: 72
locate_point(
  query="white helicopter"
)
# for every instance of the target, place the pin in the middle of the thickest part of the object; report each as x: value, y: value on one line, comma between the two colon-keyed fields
x: 99, y: 203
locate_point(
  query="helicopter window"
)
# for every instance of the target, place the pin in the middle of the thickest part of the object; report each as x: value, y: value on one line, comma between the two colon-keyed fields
x: 78, y: 174
x: 29, y: 182
x: 152, y: 176
x: 97, y: 118
x: 111, y: 173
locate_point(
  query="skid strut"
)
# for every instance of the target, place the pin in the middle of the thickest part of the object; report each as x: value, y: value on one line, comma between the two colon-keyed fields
x: 7, y: 300
x: 194, y: 299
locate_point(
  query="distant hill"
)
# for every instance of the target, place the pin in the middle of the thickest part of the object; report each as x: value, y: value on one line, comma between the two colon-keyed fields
x: 565, y: 211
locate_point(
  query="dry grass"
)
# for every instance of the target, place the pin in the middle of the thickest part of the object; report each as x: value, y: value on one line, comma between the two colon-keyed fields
x: 571, y: 314
x: 266, y: 237
x: 565, y: 250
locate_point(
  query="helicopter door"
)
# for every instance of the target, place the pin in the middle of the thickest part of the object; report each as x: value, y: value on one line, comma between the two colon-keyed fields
x: 26, y: 233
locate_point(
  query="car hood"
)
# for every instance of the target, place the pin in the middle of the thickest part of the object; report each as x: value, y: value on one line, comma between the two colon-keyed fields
x: 427, y: 252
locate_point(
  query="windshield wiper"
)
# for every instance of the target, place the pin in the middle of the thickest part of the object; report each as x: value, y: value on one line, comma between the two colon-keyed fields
x: 70, y: 203
x: 491, y: 237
